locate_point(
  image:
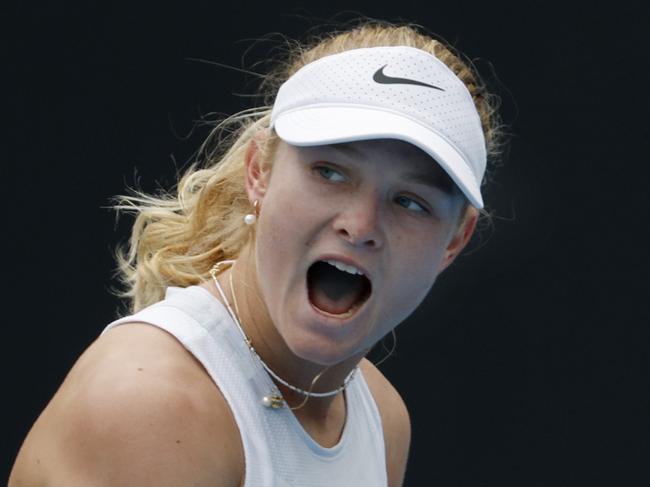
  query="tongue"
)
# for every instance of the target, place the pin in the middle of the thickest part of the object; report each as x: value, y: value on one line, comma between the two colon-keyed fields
x: 334, y: 291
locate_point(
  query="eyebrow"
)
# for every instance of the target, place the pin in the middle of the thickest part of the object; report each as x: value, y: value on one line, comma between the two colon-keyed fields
x: 436, y: 178
x: 345, y: 148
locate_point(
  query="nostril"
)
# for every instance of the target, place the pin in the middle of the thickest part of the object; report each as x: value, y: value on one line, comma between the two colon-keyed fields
x: 370, y: 243
x: 343, y: 233
x: 357, y: 240
x: 359, y: 232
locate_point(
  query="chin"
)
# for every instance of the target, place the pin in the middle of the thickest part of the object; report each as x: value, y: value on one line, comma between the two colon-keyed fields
x: 322, y: 351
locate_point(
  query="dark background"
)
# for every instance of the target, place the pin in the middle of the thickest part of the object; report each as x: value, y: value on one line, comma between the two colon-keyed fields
x: 528, y: 366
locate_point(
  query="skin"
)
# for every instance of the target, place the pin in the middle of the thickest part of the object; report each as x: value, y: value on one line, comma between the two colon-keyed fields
x: 355, y: 201
x: 138, y: 409
x: 383, y: 204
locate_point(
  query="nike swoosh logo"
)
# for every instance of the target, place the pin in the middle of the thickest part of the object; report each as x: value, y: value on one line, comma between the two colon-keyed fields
x: 383, y: 79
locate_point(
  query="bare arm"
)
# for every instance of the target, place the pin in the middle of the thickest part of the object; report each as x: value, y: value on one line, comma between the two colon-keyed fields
x: 136, y: 409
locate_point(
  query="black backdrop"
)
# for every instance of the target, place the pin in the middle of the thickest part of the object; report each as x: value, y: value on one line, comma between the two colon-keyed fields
x: 527, y: 366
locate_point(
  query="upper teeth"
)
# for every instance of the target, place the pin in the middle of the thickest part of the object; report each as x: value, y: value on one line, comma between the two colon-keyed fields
x: 344, y: 267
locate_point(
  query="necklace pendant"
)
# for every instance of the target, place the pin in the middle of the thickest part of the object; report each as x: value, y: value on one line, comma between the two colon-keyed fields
x: 273, y: 401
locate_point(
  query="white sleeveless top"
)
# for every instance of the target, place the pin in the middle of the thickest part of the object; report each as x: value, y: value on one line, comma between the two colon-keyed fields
x: 278, y: 452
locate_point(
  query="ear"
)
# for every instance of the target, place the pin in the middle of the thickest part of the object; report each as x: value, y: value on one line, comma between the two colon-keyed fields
x: 258, y: 168
x: 460, y: 238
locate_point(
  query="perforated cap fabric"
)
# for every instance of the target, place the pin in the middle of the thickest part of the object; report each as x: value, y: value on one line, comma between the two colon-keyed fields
x: 396, y: 92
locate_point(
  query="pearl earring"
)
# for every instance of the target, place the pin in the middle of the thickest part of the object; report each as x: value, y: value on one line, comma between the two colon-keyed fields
x: 251, y: 218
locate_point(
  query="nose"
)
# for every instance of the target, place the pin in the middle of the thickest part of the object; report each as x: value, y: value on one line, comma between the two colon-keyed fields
x: 359, y: 222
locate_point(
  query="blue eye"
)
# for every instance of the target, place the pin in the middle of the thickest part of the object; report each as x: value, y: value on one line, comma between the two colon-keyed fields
x: 410, y: 204
x: 330, y: 174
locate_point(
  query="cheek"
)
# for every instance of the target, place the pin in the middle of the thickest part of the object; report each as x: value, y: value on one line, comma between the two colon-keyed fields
x: 282, y: 241
x: 409, y: 292
x: 414, y: 274
x: 274, y: 249
x: 294, y: 212
x: 283, y: 226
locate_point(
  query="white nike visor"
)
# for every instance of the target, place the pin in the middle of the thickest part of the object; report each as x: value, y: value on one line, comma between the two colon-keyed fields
x: 394, y: 92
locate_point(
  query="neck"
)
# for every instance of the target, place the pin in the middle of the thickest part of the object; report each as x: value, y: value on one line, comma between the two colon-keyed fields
x: 258, y: 327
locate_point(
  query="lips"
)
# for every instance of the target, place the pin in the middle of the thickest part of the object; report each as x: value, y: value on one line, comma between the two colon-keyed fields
x: 336, y: 287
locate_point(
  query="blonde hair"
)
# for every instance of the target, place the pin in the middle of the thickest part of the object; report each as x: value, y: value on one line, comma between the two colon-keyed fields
x: 177, y: 236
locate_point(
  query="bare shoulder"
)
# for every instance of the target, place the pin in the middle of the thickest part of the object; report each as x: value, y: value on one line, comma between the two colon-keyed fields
x: 136, y: 409
x: 395, y: 420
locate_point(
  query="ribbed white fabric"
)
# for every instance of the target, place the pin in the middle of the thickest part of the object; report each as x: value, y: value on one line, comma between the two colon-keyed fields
x: 278, y: 451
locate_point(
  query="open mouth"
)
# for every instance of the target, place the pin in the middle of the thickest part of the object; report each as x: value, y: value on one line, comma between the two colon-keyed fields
x: 336, y: 288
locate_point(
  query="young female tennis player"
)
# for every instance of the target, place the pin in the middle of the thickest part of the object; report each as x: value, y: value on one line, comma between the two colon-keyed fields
x: 259, y: 286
